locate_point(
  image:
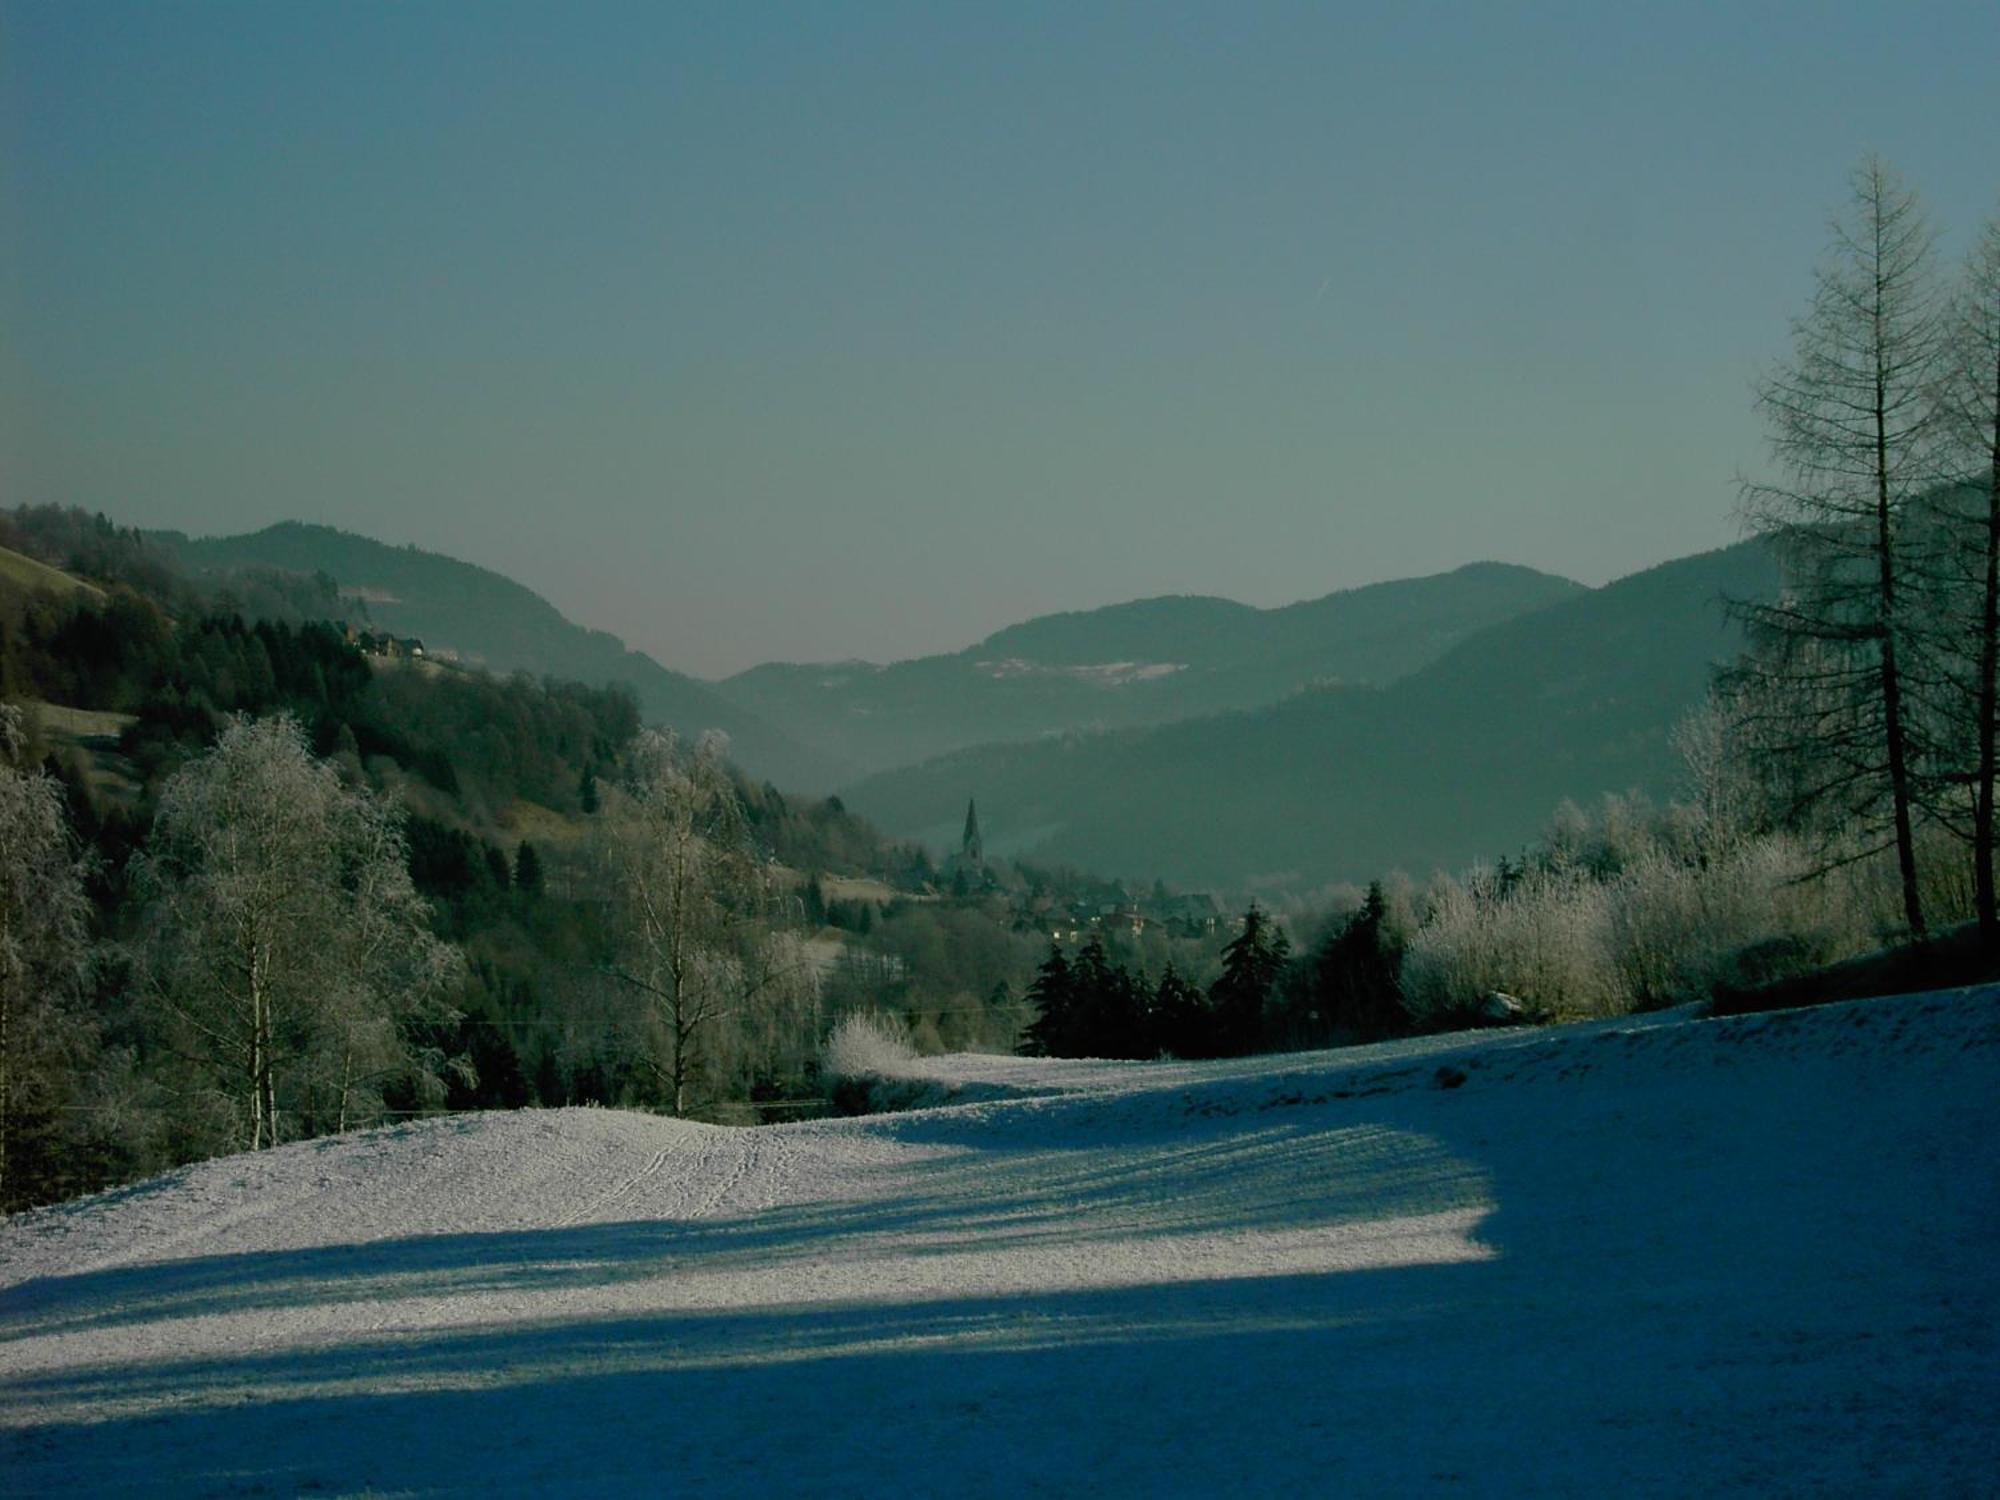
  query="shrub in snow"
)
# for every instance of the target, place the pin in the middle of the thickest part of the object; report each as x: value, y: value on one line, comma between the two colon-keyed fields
x: 867, y: 1044
x: 869, y: 1065
x: 1542, y: 939
x: 1672, y: 923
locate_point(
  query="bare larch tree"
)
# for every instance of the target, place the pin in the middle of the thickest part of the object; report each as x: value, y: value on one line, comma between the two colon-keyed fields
x: 1965, y: 611
x: 1851, y: 419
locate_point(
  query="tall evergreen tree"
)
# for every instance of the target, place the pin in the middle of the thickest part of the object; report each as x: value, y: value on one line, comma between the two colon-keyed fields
x: 1182, y: 1022
x: 1356, y: 982
x: 1052, y: 997
x: 527, y: 869
x: 1251, y: 965
x: 1110, y: 1007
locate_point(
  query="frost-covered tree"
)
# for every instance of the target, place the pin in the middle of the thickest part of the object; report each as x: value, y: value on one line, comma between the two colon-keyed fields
x: 289, y: 955
x: 43, y: 941
x: 1852, y: 418
x: 696, y: 914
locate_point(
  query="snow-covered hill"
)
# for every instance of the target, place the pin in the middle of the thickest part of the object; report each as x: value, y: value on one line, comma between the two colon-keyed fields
x: 1668, y: 1257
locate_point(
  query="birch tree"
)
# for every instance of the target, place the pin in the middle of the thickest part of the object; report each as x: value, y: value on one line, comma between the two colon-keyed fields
x: 1851, y: 418
x: 695, y: 912
x: 288, y: 951
x: 43, y: 916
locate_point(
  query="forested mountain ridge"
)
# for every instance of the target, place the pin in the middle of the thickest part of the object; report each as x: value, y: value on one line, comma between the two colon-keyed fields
x: 1146, y: 662
x: 491, y: 620
x: 1460, y: 760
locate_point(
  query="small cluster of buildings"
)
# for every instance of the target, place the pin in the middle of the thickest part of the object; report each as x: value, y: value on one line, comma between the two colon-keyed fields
x: 381, y: 643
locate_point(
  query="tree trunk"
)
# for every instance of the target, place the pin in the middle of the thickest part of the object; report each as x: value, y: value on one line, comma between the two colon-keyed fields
x: 263, y: 1124
x: 253, y: 1059
x: 1892, y: 687
x: 346, y: 1084
x: 681, y: 1032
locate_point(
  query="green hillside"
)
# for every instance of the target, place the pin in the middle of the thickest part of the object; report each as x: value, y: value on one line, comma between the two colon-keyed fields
x: 1152, y: 661
x: 1461, y: 760
x: 22, y: 574
x: 490, y: 620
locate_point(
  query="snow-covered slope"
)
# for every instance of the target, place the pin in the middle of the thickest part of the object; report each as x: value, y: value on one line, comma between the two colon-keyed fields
x: 1752, y: 1255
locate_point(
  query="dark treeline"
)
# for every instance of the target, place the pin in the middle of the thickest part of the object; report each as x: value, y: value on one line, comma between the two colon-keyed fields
x: 1090, y: 1006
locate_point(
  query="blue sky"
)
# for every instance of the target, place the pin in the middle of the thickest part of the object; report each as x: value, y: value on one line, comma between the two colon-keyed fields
x: 805, y: 332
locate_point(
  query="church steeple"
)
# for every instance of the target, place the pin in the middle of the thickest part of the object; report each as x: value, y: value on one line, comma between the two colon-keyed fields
x: 972, y: 847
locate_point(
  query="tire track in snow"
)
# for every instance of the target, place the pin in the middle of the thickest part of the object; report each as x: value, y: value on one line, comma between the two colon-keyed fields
x: 737, y: 1173
x: 604, y: 1200
x: 688, y: 1188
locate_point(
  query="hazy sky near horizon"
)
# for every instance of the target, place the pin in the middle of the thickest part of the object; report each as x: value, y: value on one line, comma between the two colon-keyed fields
x: 807, y: 332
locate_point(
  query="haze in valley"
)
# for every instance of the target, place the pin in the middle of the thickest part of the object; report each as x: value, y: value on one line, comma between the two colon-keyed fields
x: 866, y: 331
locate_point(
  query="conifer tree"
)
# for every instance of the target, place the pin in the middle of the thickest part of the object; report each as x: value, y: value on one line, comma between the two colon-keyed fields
x: 1181, y: 1018
x: 1356, y: 974
x: 527, y: 869
x: 1109, y: 1006
x: 1052, y: 998
x: 1251, y: 965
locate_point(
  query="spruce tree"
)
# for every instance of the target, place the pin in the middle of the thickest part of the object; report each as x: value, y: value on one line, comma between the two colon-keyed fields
x: 1110, y: 1007
x: 1251, y: 965
x: 527, y: 869
x: 1356, y: 974
x: 1180, y: 1015
x: 1053, y: 999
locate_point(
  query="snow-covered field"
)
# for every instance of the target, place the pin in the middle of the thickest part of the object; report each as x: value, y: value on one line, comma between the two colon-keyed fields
x: 1668, y: 1257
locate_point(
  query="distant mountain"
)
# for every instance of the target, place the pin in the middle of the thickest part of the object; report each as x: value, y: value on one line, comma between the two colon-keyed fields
x: 1463, y: 759
x: 491, y: 620
x: 1149, y: 662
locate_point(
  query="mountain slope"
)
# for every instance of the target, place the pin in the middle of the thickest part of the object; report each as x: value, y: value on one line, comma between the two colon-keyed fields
x: 1461, y: 760
x: 1151, y: 661
x: 1314, y: 1274
x: 21, y: 575
x: 491, y: 620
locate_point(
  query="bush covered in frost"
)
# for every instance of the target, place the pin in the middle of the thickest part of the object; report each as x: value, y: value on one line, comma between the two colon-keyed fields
x: 867, y: 1044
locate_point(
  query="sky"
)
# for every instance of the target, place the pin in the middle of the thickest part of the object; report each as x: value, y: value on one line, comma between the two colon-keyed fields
x: 820, y: 331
